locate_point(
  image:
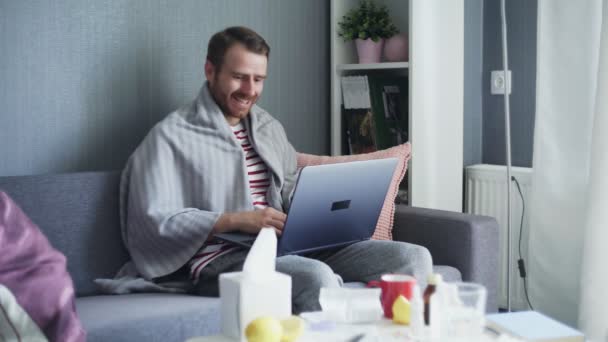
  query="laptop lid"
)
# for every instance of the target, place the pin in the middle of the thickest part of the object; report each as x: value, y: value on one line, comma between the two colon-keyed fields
x: 333, y: 205
x: 336, y: 205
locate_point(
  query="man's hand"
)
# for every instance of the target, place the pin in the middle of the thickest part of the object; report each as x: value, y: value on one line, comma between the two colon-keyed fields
x: 251, y: 221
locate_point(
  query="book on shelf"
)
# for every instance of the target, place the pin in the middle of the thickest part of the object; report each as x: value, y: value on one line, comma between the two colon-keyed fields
x: 360, y: 130
x: 389, y: 104
x: 375, y: 116
x: 532, y: 326
x: 375, y: 111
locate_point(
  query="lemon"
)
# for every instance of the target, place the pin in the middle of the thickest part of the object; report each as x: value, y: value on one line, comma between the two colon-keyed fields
x: 293, y: 327
x: 264, y: 329
x: 401, y: 310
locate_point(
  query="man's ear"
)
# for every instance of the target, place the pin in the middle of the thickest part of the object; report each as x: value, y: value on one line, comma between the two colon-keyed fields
x: 209, y: 70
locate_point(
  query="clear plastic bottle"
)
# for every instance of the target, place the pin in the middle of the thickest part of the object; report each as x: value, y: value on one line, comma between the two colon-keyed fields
x: 417, y: 318
x: 433, y: 279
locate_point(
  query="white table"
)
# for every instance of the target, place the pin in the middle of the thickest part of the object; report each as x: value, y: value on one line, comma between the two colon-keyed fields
x: 381, y: 331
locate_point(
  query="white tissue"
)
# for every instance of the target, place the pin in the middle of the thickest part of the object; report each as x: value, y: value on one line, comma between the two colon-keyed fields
x: 346, y: 305
x: 256, y: 291
x: 260, y: 261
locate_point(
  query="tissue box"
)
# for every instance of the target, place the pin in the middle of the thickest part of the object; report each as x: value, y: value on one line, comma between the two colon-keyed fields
x: 243, y: 299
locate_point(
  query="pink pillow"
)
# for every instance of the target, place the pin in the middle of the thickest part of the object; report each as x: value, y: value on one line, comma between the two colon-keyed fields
x: 384, y: 228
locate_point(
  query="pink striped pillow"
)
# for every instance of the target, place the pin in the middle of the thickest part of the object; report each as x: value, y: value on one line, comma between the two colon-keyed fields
x: 384, y: 227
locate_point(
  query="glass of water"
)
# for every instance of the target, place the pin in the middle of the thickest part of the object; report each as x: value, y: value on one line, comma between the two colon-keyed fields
x: 465, y: 311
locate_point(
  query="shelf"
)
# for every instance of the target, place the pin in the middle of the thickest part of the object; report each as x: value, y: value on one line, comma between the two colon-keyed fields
x: 373, y: 66
x: 434, y: 104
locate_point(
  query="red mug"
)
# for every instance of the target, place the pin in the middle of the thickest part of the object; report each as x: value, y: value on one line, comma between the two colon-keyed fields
x: 393, y: 285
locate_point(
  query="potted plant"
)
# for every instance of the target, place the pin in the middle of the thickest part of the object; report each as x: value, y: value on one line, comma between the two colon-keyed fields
x: 368, y: 25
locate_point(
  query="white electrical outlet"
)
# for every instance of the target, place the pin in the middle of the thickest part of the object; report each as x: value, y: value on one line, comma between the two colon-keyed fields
x: 498, y: 82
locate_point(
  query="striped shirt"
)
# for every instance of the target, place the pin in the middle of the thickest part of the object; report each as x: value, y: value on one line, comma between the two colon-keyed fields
x: 257, y: 171
x: 259, y: 181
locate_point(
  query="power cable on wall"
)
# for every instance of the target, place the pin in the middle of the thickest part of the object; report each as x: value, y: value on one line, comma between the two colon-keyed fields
x: 520, y: 262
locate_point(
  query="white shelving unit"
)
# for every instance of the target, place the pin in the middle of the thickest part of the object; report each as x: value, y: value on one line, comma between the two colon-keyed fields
x: 373, y: 66
x: 435, y: 75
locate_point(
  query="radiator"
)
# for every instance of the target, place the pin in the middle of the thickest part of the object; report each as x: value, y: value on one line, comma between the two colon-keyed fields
x: 486, y: 194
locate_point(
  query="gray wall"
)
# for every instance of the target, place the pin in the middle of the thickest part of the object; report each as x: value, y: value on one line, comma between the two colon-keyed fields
x: 473, y: 70
x: 84, y: 80
x: 521, y: 36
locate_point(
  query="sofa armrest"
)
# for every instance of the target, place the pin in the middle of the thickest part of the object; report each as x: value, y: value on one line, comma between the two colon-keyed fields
x: 464, y: 241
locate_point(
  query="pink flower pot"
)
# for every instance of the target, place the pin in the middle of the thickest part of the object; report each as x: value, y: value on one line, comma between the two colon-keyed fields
x: 369, y: 51
x: 396, y: 48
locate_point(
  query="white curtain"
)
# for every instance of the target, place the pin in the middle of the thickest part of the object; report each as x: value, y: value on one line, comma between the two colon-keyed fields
x: 568, y: 246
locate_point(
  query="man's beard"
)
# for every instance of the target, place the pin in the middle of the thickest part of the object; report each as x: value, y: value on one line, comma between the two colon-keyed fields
x: 223, y: 102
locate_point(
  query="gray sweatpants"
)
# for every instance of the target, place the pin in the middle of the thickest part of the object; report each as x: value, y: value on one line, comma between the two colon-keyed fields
x: 362, y: 262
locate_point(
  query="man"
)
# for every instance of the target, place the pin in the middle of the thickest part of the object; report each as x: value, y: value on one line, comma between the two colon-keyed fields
x: 223, y: 164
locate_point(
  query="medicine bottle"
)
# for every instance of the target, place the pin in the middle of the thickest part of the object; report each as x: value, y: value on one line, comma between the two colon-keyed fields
x: 432, y: 280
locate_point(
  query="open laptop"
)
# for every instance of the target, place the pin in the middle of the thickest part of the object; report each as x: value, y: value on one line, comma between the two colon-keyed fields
x: 333, y: 205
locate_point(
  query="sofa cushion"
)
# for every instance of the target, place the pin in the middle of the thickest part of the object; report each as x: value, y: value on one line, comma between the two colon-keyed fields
x: 78, y: 213
x: 148, y: 317
x: 402, y: 152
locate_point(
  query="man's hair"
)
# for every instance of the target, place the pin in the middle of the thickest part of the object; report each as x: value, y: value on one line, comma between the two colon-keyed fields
x: 223, y: 40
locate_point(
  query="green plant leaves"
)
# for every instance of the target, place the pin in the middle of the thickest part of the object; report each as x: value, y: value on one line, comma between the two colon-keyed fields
x: 367, y: 21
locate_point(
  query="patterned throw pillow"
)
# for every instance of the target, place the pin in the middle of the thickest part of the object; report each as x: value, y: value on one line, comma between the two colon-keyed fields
x: 402, y: 152
x: 36, y: 275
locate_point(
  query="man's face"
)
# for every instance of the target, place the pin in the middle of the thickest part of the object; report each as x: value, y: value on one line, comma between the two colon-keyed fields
x: 238, y: 83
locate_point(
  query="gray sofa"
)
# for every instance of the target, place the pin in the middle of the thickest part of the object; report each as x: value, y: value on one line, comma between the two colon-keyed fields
x: 78, y: 212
